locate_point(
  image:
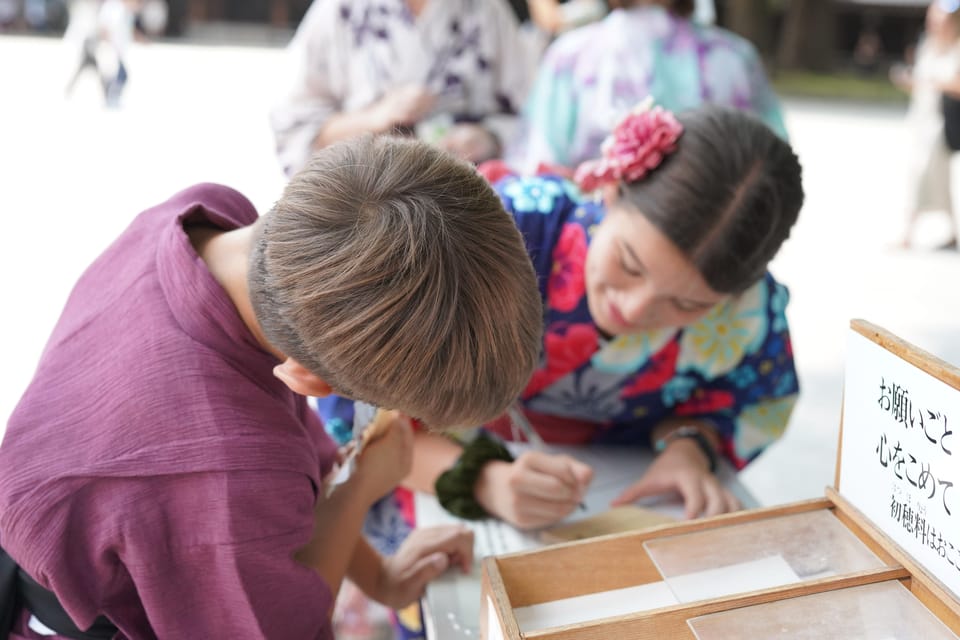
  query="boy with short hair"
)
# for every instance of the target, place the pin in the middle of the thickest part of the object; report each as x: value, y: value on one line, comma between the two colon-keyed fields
x: 163, y: 473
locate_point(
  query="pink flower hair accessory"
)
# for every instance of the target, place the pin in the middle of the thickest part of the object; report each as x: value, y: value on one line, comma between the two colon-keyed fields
x: 636, y: 147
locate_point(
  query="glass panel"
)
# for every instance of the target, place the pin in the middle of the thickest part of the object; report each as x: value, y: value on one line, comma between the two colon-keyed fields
x: 759, y: 555
x: 882, y: 611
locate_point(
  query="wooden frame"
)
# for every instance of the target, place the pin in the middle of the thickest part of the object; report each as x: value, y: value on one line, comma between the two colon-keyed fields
x: 620, y: 560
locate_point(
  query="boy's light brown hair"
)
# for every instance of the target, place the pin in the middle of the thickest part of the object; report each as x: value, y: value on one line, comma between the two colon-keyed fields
x: 391, y: 270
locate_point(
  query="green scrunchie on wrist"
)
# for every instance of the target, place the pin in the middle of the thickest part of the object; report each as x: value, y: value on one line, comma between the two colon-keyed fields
x: 454, y: 487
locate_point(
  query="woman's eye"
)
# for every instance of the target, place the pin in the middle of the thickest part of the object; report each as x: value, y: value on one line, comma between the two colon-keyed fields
x: 628, y: 270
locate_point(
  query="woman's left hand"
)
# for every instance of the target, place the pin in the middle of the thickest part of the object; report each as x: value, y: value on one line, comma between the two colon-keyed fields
x: 683, y: 467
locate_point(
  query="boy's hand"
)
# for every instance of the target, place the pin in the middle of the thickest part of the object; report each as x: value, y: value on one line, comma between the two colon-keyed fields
x: 424, y: 555
x: 385, y: 461
x: 535, y: 490
x: 683, y: 468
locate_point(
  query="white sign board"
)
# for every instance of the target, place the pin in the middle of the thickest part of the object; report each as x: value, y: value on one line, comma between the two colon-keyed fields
x: 900, y: 460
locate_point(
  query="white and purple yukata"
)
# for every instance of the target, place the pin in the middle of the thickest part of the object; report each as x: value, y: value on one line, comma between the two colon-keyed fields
x: 348, y: 53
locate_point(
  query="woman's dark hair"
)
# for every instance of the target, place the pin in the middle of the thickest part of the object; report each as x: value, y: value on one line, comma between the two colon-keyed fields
x: 727, y: 197
x: 682, y: 8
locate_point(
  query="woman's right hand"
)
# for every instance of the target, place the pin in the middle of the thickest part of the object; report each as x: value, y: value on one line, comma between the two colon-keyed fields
x: 535, y: 490
x: 403, y: 106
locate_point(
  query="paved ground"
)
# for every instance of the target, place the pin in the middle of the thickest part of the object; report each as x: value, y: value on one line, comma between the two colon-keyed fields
x: 73, y: 175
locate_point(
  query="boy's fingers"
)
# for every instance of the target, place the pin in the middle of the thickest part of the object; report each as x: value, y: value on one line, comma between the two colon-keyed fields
x: 449, y: 540
x: 428, y: 568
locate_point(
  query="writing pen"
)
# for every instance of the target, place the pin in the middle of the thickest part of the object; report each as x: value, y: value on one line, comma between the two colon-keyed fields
x: 521, y: 422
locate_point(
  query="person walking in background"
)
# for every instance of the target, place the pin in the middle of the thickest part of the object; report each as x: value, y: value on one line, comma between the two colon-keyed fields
x: 116, y: 22
x: 592, y: 76
x: 83, y: 33
x: 454, y: 72
x: 936, y: 71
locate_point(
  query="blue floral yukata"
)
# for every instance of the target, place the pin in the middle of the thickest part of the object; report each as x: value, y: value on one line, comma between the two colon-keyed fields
x: 732, y: 368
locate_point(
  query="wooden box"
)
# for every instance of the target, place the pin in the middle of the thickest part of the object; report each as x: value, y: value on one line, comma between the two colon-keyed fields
x: 576, y: 580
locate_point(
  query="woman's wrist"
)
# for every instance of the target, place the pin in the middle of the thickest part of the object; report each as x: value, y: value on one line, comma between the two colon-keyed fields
x: 690, y: 437
x: 485, y: 489
x: 692, y: 452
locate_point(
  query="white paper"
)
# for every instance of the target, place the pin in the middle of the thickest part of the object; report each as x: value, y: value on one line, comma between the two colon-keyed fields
x: 494, y: 630
x: 765, y: 573
x: 594, y: 606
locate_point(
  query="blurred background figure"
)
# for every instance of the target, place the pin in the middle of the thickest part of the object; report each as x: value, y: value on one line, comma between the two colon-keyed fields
x: 590, y: 77
x: 83, y: 35
x: 116, y: 22
x: 453, y: 72
x: 868, y: 49
x: 102, y: 31
x: 936, y: 71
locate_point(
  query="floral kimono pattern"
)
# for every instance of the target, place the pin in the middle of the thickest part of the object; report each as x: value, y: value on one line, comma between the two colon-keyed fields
x: 733, y: 367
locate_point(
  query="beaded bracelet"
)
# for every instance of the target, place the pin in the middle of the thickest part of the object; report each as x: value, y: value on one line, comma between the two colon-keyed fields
x: 694, y: 434
x: 455, y: 486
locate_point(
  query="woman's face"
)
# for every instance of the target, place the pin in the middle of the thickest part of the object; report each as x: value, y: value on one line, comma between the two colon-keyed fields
x: 638, y: 280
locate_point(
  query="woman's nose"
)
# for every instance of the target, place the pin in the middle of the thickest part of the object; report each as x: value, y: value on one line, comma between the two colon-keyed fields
x: 638, y: 307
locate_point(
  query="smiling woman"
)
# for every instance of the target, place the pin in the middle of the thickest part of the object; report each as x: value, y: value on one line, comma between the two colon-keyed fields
x: 659, y: 311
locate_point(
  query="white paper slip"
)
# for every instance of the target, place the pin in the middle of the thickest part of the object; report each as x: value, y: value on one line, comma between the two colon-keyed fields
x: 765, y: 573
x: 594, y: 606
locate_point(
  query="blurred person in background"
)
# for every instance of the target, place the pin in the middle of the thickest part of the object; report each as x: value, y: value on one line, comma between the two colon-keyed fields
x: 592, y: 76
x: 83, y: 34
x: 453, y: 72
x: 936, y: 71
x: 116, y: 22
x: 103, y: 30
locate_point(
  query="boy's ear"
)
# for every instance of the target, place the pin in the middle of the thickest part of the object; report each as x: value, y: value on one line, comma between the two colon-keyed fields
x: 301, y: 380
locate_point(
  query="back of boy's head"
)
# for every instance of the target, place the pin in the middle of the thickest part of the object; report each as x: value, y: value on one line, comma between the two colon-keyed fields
x: 391, y: 270
x: 727, y: 197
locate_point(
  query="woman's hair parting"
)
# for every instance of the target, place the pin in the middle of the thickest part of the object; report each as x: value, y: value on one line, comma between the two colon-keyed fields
x: 723, y: 187
x: 391, y: 270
